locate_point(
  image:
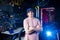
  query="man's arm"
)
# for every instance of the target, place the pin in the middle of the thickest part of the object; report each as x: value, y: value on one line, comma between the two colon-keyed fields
x: 26, y: 27
x: 38, y: 27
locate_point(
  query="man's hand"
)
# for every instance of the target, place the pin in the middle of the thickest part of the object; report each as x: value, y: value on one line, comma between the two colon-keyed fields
x: 31, y: 29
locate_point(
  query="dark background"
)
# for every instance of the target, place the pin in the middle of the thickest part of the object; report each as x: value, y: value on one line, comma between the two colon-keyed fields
x: 24, y: 4
x: 20, y: 14
x: 52, y: 3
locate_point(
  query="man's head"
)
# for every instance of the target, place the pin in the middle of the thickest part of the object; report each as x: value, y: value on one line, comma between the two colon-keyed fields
x: 30, y: 12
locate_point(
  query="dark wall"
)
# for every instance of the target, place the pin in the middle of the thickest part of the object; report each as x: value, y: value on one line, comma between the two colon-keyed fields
x: 56, y: 4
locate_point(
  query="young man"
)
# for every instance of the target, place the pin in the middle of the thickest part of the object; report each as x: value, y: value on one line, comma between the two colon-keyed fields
x: 32, y: 26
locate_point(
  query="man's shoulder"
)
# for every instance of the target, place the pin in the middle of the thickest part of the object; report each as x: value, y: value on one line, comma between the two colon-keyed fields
x: 36, y: 18
x: 25, y: 19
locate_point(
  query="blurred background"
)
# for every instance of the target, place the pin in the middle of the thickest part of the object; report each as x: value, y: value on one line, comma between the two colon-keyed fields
x: 13, y: 12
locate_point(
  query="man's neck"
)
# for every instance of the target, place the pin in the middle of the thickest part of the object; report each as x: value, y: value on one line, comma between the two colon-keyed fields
x: 30, y: 17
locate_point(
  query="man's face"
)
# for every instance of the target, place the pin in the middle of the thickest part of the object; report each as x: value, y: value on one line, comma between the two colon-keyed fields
x: 30, y: 14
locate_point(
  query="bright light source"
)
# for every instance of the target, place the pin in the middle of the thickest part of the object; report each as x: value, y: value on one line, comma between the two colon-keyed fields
x: 48, y: 33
